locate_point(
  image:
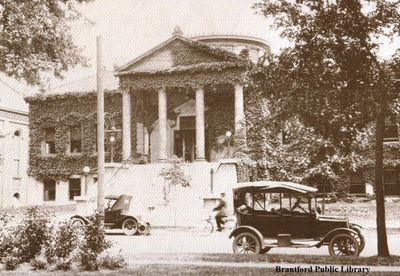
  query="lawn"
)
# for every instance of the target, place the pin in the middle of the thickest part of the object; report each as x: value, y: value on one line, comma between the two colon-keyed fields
x: 189, y: 270
x: 272, y: 258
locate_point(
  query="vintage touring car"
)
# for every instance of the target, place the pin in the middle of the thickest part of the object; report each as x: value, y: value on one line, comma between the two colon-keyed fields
x: 282, y: 214
x: 117, y: 216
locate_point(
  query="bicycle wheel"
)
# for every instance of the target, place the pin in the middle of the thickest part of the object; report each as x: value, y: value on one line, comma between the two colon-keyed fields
x: 204, y: 228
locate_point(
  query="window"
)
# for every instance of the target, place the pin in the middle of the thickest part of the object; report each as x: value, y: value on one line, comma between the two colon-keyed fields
x: 74, y: 187
x: 49, y: 142
x: 391, y: 133
x: 357, y: 183
x: 391, y: 182
x: 49, y: 191
x: 75, y: 139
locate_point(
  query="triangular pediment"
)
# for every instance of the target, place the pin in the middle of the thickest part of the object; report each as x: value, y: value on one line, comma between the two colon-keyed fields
x: 177, y: 51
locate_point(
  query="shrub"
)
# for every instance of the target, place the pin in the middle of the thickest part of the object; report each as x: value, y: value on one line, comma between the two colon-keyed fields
x: 94, y: 241
x: 39, y: 263
x: 65, y: 241
x: 32, y: 233
x: 111, y: 262
x: 34, y: 240
x: 11, y: 262
x: 21, y: 241
x: 174, y: 175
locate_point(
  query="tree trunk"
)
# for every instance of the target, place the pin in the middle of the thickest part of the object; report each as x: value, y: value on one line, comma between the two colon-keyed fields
x: 383, y: 250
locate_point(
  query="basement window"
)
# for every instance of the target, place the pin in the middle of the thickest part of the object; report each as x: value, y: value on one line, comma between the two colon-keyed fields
x: 74, y: 188
x: 49, y: 190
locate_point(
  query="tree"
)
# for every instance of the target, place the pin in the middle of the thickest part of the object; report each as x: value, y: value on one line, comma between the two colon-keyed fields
x: 331, y: 79
x: 35, y: 38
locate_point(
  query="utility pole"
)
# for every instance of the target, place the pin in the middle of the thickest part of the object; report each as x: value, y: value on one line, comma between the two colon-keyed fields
x: 100, y: 126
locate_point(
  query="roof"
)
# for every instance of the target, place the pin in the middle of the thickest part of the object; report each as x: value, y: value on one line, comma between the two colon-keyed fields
x: 234, y: 38
x: 79, y: 87
x: 164, y: 61
x: 274, y: 187
x: 87, y: 84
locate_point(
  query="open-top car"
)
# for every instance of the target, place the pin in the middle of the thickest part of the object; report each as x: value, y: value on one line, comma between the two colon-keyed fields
x: 282, y: 214
x: 117, y: 216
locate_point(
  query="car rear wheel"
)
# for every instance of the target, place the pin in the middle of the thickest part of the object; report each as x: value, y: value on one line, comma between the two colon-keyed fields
x: 360, y: 239
x: 246, y: 243
x: 130, y: 226
x: 343, y: 245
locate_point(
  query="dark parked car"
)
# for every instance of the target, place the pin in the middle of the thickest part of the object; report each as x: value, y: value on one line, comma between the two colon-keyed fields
x: 282, y: 214
x: 117, y: 216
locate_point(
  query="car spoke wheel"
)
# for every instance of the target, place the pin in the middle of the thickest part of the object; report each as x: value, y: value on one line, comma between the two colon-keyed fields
x: 360, y: 239
x: 144, y: 229
x: 130, y: 226
x: 343, y: 245
x: 246, y: 243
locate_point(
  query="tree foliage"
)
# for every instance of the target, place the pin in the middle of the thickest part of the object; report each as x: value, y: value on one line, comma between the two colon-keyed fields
x: 35, y: 37
x: 336, y: 78
x: 332, y: 79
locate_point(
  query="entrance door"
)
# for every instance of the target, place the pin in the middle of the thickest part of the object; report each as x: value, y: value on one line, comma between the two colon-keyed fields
x: 185, y: 138
x: 185, y: 144
x: 189, y: 141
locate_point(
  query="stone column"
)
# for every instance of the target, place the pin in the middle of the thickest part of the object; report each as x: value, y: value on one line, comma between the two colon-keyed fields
x: 240, y: 132
x: 200, y: 125
x: 162, y: 124
x: 126, y: 125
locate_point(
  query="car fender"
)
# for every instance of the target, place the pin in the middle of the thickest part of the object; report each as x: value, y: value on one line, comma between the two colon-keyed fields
x: 353, y: 225
x: 334, y: 232
x: 250, y: 229
x: 125, y: 216
x: 80, y: 217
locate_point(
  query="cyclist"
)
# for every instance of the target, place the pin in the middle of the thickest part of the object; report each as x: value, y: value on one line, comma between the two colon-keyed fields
x: 221, y: 212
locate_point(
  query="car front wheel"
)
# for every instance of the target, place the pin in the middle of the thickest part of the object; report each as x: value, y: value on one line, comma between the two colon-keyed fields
x: 246, y: 243
x: 343, y: 245
x: 130, y: 226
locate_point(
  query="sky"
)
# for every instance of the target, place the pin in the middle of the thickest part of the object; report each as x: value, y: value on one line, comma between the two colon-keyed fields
x: 131, y: 27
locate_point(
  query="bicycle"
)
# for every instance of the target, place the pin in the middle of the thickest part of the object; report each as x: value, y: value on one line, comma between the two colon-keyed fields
x: 207, y: 226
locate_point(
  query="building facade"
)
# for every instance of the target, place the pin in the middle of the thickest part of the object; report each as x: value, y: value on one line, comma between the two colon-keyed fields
x: 186, y: 97
x: 14, y: 144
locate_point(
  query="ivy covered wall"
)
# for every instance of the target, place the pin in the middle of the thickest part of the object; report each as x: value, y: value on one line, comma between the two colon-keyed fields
x: 307, y: 158
x: 62, y: 112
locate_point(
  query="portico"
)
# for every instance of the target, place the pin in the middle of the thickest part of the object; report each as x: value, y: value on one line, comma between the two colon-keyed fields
x: 170, y: 95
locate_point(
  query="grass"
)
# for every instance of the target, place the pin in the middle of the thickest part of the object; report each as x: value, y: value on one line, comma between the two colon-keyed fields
x: 187, y: 270
x: 274, y: 258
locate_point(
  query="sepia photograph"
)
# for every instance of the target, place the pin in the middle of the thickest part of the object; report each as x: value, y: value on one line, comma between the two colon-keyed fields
x: 199, y: 137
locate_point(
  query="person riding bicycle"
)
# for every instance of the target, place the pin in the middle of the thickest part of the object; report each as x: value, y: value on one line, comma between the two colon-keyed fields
x: 221, y: 212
